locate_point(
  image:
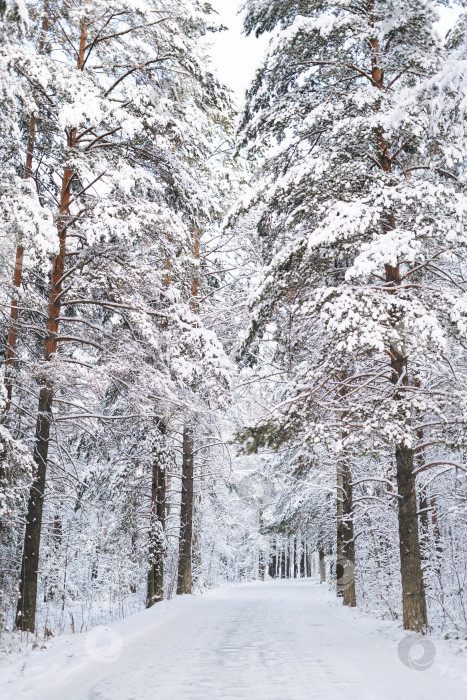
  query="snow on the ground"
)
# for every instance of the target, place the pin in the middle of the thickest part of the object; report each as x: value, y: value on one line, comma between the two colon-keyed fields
x: 279, y: 640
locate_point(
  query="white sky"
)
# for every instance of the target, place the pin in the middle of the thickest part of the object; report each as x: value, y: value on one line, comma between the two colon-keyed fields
x: 236, y: 57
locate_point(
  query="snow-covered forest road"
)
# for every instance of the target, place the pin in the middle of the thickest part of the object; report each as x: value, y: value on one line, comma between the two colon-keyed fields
x: 280, y: 640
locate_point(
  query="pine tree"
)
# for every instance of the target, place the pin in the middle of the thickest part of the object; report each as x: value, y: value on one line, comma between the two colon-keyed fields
x: 132, y: 189
x: 362, y: 220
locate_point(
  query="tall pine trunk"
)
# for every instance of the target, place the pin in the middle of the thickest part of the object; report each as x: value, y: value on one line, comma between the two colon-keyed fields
x: 273, y: 560
x: 303, y: 560
x: 26, y: 607
x: 413, y: 590
x: 345, y: 560
x: 308, y: 561
x: 185, y: 577
x: 345, y: 567
x: 184, y: 583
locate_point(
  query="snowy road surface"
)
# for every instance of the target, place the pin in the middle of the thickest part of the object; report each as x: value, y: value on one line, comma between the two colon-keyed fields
x: 281, y: 640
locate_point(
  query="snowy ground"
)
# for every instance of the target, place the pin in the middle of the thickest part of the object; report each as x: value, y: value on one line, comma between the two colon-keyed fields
x: 280, y: 640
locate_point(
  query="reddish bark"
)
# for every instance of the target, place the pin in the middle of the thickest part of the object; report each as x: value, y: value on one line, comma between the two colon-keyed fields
x: 26, y: 607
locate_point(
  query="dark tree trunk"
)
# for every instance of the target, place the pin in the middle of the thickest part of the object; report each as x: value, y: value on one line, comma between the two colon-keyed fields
x: 184, y: 583
x: 345, y: 561
x: 273, y: 561
x: 26, y: 608
x: 155, y: 592
x: 413, y: 590
x: 322, y: 566
x: 345, y: 568
x: 262, y: 566
x: 303, y: 561
x: 283, y: 563
x: 308, y: 561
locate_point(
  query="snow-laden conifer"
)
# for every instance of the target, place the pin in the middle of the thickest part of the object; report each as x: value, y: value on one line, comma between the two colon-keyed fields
x: 364, y: 241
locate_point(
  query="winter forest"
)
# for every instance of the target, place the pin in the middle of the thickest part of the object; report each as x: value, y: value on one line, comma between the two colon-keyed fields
x: 233, y: 349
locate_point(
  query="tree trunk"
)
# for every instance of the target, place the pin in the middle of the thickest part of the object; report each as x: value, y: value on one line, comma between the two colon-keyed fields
x: 185, y: 578
x: 184, y: 583
x: 345, y: 560
x: 26, y: 608
x: 322, y: 566
x: 273, y: 561
x: 413, y: 591
x: 303, y: 560
x: 345, y: 568
x: 308, y: 561
x: 155, y: 592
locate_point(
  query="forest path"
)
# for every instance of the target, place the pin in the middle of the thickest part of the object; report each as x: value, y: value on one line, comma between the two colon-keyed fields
x: 279, y: 640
